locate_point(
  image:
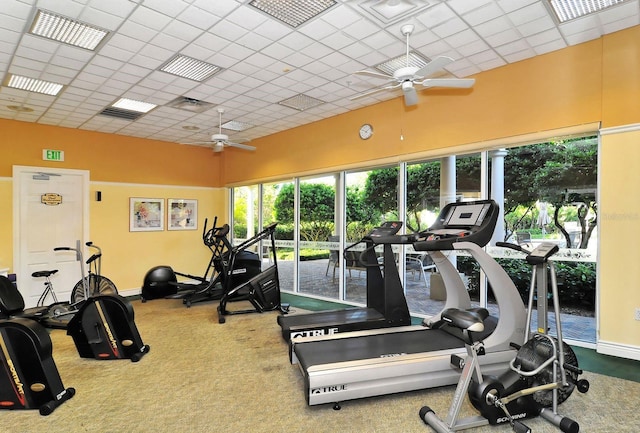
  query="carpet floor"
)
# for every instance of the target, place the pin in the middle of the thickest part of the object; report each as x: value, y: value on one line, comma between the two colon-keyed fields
x: 201, y: 376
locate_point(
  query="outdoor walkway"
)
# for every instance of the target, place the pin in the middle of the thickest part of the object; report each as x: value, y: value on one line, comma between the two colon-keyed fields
x: 317, y: 281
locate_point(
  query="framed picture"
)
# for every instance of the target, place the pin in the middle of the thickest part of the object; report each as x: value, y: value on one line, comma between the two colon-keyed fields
x: 146, y: 214
x: 183, y: 214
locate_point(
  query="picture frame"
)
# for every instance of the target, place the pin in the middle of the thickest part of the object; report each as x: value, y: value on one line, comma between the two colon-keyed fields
x: 146, y: 214
x: 182, y: 214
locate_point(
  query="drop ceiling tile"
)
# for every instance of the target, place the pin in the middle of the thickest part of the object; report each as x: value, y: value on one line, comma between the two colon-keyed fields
x: 537, y: 26
x: 255, y: 41
x: 198, y: 18
x: 316, y: 29
x: 472, y: 48
x: 528, y: 14
x: 16, y: 9
x: 144, y: 16
x: 463, y: 38
x: 117, y: 53
x: 579, y: 25
x: 272, y: 30
x: 360, y: 29
x: 182, y: 31
x: 493, y: 27
x: 69, y: 9
x: 544, y: 37
x: 137, y: 31
x: 118, y: 8
x: 100, y: 19
x: 247, y: 17
x: 513, y: 47
x: 512, y: 5
x: 12, y: 23
x: 339, y: 16
x: 75, y: 53
x: 237, y: 52
x: 585, y: 36
x: 33, y: 54
x: 170, y: 8
x: 298, y: 59
x: 125, y: 43
x: 463, y: 6
x: 502, y: 38
x: 229, y: 30
x: 436, y: 15
x: 482, y: 14
x: 166, y: 41
x: 59, y: 73
x: 296, y: 41
x: 450, y: 27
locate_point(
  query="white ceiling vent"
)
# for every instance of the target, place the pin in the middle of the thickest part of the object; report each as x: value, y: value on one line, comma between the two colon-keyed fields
x: 190, y: 104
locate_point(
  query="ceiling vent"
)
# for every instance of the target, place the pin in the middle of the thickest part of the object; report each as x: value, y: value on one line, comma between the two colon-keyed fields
x: 190, y: 104
x: 119, y: 113
x: 301, y: 102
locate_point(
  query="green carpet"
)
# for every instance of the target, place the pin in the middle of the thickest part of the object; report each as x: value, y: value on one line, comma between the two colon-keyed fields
x: 589, y: 359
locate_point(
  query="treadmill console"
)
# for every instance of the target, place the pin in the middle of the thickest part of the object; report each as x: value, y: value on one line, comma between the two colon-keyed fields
x: 387, y: 229
x: 386, y: 234
x: 472, y: 221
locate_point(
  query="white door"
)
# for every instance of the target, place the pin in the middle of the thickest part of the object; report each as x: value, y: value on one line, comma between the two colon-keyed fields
x: 50, y: 210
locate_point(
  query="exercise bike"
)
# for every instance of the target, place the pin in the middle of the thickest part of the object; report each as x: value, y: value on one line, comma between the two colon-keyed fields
x: 542, y: 375
x: 93, y: 284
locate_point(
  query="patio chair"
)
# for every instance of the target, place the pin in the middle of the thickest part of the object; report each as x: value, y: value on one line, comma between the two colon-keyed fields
x: 351, y: 260
x: 421, y: 263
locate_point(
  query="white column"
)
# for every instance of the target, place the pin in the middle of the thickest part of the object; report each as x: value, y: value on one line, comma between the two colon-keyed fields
x: 447, y: 180
x: 497, y: 190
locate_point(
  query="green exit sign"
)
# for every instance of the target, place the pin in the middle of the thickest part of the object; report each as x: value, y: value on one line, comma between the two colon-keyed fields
x: 52, y: 155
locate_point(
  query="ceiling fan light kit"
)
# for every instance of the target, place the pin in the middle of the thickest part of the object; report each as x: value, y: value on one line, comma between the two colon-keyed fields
x: 407, y: 76
x: 219, y: 141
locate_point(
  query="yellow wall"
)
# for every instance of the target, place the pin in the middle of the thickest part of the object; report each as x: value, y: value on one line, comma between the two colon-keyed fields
x: 111, y: 158
x: 619, y: 219
x: 121, y: 167
x: 128, y: 255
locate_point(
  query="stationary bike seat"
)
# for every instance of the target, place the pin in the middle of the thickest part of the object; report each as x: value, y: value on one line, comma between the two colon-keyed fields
x: 39, y: 274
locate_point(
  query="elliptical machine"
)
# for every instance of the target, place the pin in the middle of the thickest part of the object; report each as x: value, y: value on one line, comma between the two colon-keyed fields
x: 542, y: 375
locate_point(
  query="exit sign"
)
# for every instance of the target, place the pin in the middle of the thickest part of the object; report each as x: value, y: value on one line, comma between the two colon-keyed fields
x: 52, y: 155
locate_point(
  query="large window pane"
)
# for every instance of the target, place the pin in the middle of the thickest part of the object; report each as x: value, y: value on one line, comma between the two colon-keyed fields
x: 319, y: 265
x: 551, y: 197
x: 371, y: 198
x: 278, y: 205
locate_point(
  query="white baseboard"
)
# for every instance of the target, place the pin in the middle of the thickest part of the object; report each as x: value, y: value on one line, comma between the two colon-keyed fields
x: 619, y: 350
x: 130, y: 292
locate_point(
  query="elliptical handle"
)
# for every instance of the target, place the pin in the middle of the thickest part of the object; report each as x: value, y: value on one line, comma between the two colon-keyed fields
x: 64, y: 249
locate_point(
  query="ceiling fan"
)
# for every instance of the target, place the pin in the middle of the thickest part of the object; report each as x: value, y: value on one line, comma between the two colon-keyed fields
x: 220, y: 140
x: 407, y: 76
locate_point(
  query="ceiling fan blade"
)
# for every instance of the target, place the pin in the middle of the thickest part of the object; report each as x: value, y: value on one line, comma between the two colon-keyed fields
x: 197, y: 142
x: 433, y: 66
x: 240, y: 146
x: 373, y: 74
x: 375, y: 90
x: 410, y: 95
x: 458, y: 83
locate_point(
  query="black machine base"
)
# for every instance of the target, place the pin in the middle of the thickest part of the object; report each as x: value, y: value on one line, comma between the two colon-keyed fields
x: 104, y: 328
x: 29, y: 378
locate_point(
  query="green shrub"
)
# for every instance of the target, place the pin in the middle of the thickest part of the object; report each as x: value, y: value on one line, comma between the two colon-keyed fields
x: 576, y: 280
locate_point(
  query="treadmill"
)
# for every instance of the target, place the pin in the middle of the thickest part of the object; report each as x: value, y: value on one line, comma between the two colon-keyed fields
x: 386, y: 303
x: 362, y: 364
